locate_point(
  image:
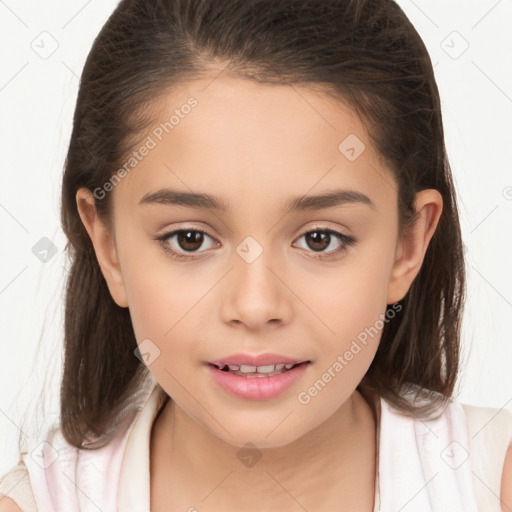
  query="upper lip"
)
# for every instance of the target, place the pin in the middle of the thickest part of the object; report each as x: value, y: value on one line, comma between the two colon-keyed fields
x: 256, y: 360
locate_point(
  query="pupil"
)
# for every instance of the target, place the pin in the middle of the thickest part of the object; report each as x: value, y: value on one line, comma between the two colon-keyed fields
x: 190, y: 237
x: 319, y: 240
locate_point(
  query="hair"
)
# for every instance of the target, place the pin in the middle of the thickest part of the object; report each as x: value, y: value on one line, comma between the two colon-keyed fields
x: 365, y: 53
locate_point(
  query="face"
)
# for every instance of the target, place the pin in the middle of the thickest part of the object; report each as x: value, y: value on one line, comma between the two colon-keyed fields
x: 306, y: 285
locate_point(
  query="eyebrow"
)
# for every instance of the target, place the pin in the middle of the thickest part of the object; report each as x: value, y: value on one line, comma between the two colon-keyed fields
x: 205, y: 201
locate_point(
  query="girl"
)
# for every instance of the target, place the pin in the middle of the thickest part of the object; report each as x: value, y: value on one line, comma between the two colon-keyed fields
x: 267, y: 284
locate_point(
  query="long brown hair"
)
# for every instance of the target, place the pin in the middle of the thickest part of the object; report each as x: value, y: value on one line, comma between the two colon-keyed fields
x: 363, y: 52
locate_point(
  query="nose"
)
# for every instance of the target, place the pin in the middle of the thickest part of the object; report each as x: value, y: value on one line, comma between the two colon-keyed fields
x: 256, y: 295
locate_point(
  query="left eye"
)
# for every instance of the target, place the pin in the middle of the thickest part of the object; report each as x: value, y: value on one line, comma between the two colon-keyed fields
x: 191, y: 240
x: 320, y: 239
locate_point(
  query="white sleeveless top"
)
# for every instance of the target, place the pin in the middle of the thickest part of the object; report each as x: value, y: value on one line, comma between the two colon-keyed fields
x: 453, y: 463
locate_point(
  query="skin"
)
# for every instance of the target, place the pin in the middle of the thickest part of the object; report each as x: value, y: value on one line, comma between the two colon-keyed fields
x: 255, y: 146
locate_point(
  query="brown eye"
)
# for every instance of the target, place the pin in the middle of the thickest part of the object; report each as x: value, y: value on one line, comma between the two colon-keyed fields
x: 186, y: 243
x: 182, y: 241
x: 318, y: 240
x: 190, y: 240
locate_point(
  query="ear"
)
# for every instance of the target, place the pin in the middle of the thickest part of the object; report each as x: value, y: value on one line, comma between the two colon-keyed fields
x: 104, y: 246
x: 412, y: 247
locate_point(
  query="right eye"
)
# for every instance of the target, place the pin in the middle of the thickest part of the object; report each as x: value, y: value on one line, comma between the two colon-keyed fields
x: 184, y: 241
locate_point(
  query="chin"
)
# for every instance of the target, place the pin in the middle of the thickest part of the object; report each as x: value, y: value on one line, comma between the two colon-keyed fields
x: 259, y: 437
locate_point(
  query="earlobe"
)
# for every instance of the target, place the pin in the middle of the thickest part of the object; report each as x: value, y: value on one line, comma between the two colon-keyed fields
x: 104, y: 246
x: 412, y: 247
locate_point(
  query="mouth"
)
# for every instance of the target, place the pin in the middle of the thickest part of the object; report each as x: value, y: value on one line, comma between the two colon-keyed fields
x: 253, y: 371
x: 244, y: 378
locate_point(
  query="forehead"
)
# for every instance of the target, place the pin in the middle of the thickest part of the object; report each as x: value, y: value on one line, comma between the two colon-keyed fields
x: 252, y: 143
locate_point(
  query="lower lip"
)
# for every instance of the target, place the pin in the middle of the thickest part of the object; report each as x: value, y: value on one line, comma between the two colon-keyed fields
x: 257, y: 388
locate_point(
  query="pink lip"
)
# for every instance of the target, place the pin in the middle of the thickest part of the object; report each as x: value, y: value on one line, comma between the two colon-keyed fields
x: 256, y: 360
x: 257, y: 388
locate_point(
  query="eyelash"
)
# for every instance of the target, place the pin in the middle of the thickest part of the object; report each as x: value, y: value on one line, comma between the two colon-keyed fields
x: 348, y: 241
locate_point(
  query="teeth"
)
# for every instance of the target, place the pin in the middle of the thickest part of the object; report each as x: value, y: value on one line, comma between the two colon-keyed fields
x: 254, y: 371
x: 244, y: 368
x: 266, y: 369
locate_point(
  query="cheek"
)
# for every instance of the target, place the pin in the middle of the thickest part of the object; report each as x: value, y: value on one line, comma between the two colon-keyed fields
x: 161, y: 309
x: 354, y: 313
x: 348, y: 299
x: 160, y: 292
x: 351, y: 304
x: 164, y: 300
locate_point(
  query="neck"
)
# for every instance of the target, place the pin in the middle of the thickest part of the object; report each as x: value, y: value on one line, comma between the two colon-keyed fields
x: 329, y: 463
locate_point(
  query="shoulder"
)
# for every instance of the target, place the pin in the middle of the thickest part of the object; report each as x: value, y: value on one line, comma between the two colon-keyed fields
x: 15, y: 491
x: 8, y: 505
x: 506, y: 482
x: 489, y: 425
x: 490, y: 432
x: 480, y: 439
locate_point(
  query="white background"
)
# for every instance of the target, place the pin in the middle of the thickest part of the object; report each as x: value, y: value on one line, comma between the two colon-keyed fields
x: 37, y: 99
